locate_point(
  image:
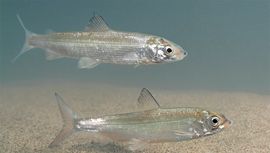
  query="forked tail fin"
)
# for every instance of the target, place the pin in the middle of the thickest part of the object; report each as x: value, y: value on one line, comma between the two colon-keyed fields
x: 26, y: 47
x: 68, y: 117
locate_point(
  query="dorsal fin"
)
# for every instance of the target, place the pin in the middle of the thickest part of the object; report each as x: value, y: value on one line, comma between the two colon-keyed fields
x: 97, y: 24
x: 146, y: 98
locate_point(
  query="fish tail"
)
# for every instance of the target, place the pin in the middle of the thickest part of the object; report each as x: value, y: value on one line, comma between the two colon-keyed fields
x: 68, y: 117
x: 28, y: 34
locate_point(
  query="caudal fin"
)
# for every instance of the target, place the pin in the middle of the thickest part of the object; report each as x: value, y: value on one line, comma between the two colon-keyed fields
x: 68, y: 117
x: 26, y: 47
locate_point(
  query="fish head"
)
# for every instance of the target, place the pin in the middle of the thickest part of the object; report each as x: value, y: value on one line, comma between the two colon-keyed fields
x: 164, y: 50
x: 214, y: 122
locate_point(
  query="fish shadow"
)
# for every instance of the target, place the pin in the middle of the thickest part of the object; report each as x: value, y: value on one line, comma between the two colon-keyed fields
x: 95, y: 146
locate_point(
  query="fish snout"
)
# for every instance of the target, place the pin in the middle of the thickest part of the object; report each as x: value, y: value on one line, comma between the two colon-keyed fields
x: 179, y: 54
x: 228, y: 123
x: 183, y: 54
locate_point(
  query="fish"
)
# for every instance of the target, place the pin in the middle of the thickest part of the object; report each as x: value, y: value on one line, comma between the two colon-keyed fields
x: 98, y: 43
x: 138, y: 129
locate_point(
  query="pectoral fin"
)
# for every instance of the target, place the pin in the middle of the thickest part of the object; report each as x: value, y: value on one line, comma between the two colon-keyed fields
x: 87, y: 63
x: 182, y: 135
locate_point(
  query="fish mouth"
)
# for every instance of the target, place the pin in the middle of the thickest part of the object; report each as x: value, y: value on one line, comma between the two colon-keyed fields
x: 185, y: 53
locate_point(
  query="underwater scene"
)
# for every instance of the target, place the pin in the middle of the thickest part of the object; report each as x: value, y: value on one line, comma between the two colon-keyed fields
x: 122, y: 76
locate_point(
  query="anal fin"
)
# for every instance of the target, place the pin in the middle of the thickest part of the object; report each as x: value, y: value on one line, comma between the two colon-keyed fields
x: 51, y: 55
x: 87, y: 63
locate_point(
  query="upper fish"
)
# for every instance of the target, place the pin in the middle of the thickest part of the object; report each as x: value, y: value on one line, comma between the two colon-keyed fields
x: 98, y: 43
x: 137, y: 129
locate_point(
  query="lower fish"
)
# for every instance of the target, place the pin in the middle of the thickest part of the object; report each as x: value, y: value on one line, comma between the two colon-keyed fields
x: 137, y: 129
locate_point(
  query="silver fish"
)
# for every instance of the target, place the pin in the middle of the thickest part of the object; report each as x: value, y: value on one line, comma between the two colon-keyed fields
x: 100, y: 44
x: 137, y: 129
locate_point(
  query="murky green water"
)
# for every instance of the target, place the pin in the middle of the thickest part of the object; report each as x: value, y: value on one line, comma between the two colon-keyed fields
x: 227, y: 42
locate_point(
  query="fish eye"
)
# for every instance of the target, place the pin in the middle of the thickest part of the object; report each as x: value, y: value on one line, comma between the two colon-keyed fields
x: 169, y: 50
x: 214, y: 121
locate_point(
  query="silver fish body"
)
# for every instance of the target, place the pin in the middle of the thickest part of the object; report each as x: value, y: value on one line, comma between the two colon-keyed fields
x: 158, y: 125
x: 105, y: 47
x: 100, y: 44
x: 150, y: 126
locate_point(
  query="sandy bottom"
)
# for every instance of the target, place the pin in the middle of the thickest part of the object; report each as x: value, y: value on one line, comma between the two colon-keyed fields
x: 30, y: 119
